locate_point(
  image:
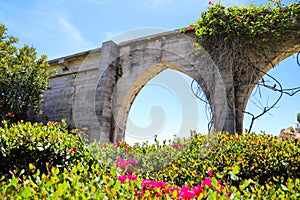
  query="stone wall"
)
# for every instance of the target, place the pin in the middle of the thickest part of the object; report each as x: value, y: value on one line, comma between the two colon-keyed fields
x: 95, y: 89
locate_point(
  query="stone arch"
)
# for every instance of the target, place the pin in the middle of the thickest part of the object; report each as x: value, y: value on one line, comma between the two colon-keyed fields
x: 275, y: 54
x: 265, y: 69
x: 141, y: 61
x: 121, y: 115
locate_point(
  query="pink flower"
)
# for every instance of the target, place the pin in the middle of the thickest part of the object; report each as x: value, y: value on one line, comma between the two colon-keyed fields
x: 117, y: 144
x: 132, y: 161
x: 176, y: 145
x: 122, y: 179
x: 159, y: 184
x: 198, y: 189
x: 186, y: 193
x: 145, y: 183
x: 210, y: 172
x: 126, y: 164
x: 206, y: 181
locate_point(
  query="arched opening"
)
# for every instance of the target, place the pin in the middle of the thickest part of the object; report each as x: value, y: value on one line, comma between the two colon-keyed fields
x: 283, y: 115
x: 164, y: 108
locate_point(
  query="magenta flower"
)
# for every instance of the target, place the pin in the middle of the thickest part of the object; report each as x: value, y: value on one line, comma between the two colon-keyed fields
x: 130, y: 177
x: 132, y: 161
x: 145, y: 183
x: 186, y: 193
x: 198, y: 189
x: 210, y: 172
x: 159, y: 184
x: 117, y: 144
x: 206, y: 181
x: 126, y: 164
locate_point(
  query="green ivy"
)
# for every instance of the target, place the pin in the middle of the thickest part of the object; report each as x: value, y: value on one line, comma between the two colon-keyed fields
x: 227, y: 23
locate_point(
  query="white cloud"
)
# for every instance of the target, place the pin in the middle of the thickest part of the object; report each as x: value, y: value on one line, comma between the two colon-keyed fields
x: 72, y: 33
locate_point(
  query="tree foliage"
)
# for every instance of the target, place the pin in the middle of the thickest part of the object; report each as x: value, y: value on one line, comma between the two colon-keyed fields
x: 298, y: 117
x: 23, y: 78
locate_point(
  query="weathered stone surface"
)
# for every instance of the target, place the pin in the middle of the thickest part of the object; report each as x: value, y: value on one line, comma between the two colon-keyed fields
x: 95, y: 89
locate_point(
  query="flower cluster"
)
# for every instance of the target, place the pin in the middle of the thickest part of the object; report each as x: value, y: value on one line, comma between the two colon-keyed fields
x: 130, y: 177
x: 126, y: 164
x: 160, y: 189
x: 176, y: 145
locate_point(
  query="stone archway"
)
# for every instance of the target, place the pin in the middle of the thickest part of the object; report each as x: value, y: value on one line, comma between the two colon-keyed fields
x: 127, y: 101
x: 264, y: 62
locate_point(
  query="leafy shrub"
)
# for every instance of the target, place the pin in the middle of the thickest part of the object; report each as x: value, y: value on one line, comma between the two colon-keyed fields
x: 263, y: 158
x: 49, y: 162
x: 22, y: 144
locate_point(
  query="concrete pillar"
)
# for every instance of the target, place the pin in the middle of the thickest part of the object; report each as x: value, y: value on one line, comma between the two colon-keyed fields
x: 107, y: 80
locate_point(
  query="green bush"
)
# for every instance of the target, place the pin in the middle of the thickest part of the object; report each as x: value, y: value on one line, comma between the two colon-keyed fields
x: 48, y: 162
x: 42, y: 146
x: 263, y: 158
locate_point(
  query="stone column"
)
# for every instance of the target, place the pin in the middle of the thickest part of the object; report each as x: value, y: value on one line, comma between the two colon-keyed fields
x: 107, y: 80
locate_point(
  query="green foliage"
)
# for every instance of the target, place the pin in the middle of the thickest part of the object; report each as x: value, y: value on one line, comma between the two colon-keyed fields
x: 267, y: 22
x: 48, y: 162
x: 23, y: 78
x: 298, y: 117
x: 291, y: 129
x: 25, y: 144
x: 261, y: 158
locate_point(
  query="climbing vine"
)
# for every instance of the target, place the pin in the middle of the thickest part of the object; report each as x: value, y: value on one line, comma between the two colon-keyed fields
x: 234, y: 35
x: 228, y: 23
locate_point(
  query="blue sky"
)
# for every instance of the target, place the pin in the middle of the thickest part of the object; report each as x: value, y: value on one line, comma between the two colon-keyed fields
x: 62, y: 27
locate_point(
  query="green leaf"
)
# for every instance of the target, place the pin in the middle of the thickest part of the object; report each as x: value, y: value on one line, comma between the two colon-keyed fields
x: 236, y: 169
x: 113, y: 171
x: 27, y: 192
